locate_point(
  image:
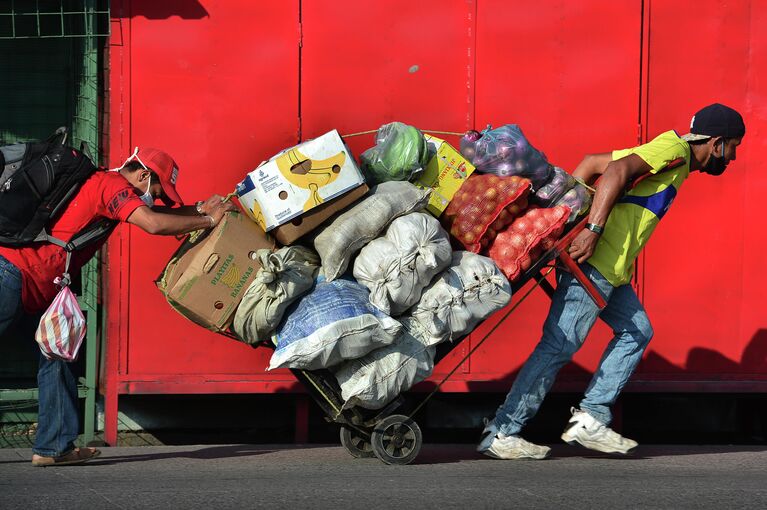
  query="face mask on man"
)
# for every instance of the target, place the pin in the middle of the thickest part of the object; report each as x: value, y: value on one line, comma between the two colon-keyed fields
x: 147, y: 197
x: 716, y: 164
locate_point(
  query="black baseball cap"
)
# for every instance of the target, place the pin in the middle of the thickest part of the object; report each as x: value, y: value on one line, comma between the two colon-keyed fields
x: 715, y: 120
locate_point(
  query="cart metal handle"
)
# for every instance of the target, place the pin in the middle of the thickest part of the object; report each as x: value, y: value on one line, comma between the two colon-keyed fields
x: 561, y: 249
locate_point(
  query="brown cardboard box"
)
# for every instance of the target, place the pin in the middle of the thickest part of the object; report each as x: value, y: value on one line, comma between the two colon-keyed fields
x: 207, y: 277
x: 293, y: 230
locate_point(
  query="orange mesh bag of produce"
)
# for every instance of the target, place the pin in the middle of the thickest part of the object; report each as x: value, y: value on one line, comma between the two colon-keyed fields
x: 515, y: 249
x: 484, y: 205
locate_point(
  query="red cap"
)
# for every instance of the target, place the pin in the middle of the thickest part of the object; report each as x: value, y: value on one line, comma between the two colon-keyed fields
x: 163, y: 165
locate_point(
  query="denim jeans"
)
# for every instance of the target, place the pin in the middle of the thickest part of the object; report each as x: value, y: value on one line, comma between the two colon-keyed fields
x: 571, y: 317
x: 10, y: 294
x: 57, y: 422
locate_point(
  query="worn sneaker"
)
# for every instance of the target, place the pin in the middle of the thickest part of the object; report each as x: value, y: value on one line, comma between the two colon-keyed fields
x: 499, y: 446
x: 585, y: 430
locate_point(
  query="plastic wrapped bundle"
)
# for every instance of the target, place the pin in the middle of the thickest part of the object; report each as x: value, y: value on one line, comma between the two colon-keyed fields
x: 578, y: 199
x: 375, y: 380
x: 398, y: 266
x: 547, y: 195
x: 355, y: 228
x: 400, y: 154
x: 505, y: 152
x: 469, y: 291
x: 285, y: 275
x: 332, y: 323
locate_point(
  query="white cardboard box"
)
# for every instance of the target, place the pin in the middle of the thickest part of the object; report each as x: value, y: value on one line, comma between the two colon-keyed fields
x: 299, y: 179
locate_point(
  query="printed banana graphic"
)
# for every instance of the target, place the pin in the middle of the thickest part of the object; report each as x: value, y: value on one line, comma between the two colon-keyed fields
x: 258, y: 214
x: 309, y: 173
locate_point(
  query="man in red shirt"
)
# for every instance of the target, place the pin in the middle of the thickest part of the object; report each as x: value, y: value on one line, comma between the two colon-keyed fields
x: 126, y: 194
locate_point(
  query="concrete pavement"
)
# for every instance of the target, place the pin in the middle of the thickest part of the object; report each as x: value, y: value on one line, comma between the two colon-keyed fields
x: 443, y: 476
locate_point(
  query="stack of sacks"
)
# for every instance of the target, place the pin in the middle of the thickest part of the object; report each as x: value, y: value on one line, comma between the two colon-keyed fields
x: 332, y: 323
x: 376, y: 379
x: 469, y: 291
x: 398, y: 266
x: 355, y: 228
x: 285, y: 275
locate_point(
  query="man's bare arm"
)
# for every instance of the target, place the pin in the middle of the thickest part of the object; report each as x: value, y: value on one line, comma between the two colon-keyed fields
x: 615, y: 179
x: 592, y: 166
x: 158, y: 223
x: 154, y: 221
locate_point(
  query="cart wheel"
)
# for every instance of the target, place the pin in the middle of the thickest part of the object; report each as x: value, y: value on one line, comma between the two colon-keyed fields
x: 396, y: 439
x: 356, y: 444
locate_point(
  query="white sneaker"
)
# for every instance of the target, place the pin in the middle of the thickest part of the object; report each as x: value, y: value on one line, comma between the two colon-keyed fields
x: 499, y: 446
x: 585, y: 430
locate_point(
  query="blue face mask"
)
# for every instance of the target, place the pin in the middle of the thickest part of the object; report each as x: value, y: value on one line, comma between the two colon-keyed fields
x: 147, y: 197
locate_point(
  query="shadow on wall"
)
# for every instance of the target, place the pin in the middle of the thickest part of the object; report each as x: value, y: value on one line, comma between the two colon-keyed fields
x: 709, y: 363
x: 753, y: 361
x: 185, y: 9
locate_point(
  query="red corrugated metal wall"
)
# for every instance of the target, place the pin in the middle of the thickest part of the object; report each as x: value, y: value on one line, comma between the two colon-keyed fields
x: 703, y: 278
x: 224, y: 85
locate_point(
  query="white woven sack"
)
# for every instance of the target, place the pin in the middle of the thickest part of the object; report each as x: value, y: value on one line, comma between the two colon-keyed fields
x: 62, y: 328
x: 285, y: 275
x: 375, y: 380
x: 397, y: 267
x: 355, y: 228
x: 469, y: 291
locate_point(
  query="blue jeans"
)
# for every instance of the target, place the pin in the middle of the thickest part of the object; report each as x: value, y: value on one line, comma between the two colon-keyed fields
x: 571, y: 317
x: 58, y: 421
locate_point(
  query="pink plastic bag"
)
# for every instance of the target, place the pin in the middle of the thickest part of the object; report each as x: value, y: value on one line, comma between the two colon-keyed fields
x: 62, y: 328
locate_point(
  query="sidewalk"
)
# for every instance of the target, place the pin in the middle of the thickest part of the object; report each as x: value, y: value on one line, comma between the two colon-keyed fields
x: 443, y: 476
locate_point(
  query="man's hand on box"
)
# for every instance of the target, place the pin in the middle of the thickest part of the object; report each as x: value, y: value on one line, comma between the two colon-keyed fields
x: 215, y: 200
x: 215, y: 207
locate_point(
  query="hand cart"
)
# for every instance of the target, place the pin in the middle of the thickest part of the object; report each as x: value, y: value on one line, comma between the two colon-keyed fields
x: 396, y: 438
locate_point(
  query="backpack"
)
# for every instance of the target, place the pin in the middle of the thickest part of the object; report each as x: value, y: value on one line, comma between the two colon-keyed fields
x: 38, y: 180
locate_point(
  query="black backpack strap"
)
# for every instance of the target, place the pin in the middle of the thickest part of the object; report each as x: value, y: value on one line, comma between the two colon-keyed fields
x: 59, y: 136
x: 95, y: 231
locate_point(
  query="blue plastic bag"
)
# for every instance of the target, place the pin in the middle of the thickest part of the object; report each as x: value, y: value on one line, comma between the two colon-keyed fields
x: 334, y: 322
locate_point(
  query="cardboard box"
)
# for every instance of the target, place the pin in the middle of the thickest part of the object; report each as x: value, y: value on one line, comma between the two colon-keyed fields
x: 298, y: 180
x: 299, y: 226
x: 444, y: 174
x: 207, y: 277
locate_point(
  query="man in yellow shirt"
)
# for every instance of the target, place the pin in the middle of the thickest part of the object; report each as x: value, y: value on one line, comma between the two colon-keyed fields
x: 620, y: 223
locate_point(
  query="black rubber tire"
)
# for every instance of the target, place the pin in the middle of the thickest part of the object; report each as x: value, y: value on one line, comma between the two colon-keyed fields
x: 396, y: 440
x: 356, y: 444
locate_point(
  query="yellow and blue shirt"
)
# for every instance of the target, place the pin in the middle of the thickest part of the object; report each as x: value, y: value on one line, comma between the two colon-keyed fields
x: 635, y: 215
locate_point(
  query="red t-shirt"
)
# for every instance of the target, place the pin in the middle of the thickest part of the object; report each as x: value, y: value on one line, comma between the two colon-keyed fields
x: 106, y: 194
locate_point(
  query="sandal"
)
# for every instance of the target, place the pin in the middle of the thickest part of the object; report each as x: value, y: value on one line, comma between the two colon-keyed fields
x: 76, y: 456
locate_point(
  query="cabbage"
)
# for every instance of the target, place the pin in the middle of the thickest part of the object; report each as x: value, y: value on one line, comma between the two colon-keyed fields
x: 400, y: 154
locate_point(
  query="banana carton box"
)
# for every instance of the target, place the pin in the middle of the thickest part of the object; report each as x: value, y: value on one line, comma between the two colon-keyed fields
x: 299, y: 179
x: 446, y: 171
x: 209, y: 274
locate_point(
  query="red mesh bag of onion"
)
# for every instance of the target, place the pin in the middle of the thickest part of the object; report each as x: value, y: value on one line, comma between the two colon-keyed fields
x: 484, y: 205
